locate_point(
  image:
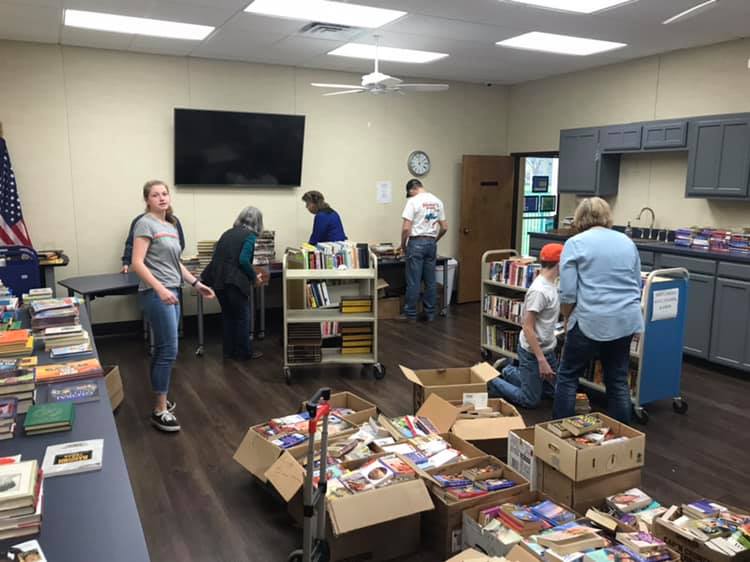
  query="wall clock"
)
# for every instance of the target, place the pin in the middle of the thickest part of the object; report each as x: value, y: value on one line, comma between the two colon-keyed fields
x: 418, y: 163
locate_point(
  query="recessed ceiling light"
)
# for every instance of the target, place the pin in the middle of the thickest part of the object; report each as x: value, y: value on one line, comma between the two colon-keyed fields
x: 136, y: 26
x: 326, y: 11
x: 561, y: 44
x: 362, y: 51
x: 694, y: 11
x: 577, y: 6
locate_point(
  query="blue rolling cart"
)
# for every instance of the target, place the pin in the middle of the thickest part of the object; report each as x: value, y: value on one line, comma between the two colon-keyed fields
x: 659, y: 353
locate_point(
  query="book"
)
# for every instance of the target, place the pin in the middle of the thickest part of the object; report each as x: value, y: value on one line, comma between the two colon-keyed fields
x: 80, y: 349
x: 87, y: 368
x: 494, y: 484
x: 702, y: 508
x: 559, y: 430
x: 604, y: 520
x: 630, y: 500
x: 553, y: 513
x: 18, y: 484
x: 575, y: 538
x: 30, y: 517
x: 76, y: 392
x: 49, y: 417
x: 8, y: 410
x: 611, y: 554
x: 73, y: 458
x: 580, y: 425
x: 29, y: 551
x: 640, y: 542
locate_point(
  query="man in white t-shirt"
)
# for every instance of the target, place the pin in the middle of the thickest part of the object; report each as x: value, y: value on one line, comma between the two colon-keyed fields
x: 533, y: 378
x: 424, y: 224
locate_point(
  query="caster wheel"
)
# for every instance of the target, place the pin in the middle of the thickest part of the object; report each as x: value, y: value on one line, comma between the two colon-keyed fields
x: 680, y: 405
x: 261, y: 335
x: 641, y: 415
x: 379, y: 371
x: 199, y: 352
x: 295, y: 556
x: 485, y: 355
x: 288, y: 375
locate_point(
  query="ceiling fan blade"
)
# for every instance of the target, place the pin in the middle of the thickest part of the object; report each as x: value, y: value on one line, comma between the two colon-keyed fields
x: 347, y: 86
x: 360, y: 91
x: 423, y: 87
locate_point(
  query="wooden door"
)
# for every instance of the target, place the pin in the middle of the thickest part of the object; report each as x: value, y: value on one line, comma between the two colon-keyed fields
x: 487, y: 203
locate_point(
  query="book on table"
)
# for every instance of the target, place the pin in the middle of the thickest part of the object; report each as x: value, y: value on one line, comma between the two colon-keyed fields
x: 18, y: 485
x: 49, y: 418
x: 85, y: 369
x: 78, y: 392
x: 73, y: 458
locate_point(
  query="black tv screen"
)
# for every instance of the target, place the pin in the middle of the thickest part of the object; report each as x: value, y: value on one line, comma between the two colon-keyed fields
x: 233, y: 148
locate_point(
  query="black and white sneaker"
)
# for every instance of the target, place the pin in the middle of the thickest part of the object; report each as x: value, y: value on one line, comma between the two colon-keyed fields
x: 171, y: 406
x: 165, y: 421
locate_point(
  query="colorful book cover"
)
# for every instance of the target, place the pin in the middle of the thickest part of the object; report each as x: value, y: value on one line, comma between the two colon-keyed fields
x: 65, y: 371
x: 8, y: 407
x: 553, y: 513
x: 43, y: 415
x: 76, y: 392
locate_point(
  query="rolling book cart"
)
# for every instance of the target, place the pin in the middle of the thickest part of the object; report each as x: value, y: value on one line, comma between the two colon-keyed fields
x: 299, y: 318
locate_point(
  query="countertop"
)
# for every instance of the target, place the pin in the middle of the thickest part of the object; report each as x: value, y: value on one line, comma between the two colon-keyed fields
x: 667, y: 248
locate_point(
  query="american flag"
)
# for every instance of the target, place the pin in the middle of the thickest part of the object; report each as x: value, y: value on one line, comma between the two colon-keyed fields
x: 12, y: 228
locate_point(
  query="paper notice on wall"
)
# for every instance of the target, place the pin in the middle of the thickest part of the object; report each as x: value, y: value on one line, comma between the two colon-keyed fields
x: 384, y: 192
x: 665, y: 305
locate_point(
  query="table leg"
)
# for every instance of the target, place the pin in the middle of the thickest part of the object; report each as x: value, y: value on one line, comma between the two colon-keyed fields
x: 87, y: 302
x: 252, y: 313
x: 262, y: 319
x: 48, y: 275
x: 199, y: 351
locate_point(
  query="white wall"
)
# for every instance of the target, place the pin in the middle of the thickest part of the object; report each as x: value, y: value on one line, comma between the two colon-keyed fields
x: 692, y: 82
x: 87, y: 127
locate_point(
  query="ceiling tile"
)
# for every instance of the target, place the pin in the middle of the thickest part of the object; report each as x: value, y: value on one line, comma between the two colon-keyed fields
x: 162, y: 46
x: 96, y: 39
x: 29, y: 22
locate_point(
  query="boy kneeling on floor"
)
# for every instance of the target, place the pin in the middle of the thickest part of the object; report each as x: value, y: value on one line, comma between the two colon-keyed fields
x: 525, y: 385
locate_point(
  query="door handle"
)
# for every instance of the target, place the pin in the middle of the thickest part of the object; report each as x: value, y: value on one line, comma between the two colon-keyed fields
x: 466, y: 230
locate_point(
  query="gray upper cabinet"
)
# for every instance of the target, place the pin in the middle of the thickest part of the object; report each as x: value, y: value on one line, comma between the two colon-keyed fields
x: 583, y: 169
x: 729, y: 336
x: 665, y: 135
x: 719, y: 157
x: 621, y: 137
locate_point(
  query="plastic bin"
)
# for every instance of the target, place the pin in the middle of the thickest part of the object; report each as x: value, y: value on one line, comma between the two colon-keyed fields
x: 452, y: 265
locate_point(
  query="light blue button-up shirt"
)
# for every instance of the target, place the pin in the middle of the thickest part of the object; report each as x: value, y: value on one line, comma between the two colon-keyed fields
x: 600, y: 271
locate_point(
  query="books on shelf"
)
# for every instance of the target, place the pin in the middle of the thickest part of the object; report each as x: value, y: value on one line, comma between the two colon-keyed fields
x: 73, y: 458
x: 49, y: 418
x: 361, y: 304
x: 304, y: 342
x: 516, y: 272
x: 503, y: 308
x: 329, y: 329
x: 265, y: 248
x: 73, y: 370
x: 316, y: 293
x: 499, y: 336
x: 356, y: 338
x: 335, y: 255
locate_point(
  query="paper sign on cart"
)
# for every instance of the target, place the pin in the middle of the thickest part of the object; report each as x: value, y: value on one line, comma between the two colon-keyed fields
x: 665, y: 304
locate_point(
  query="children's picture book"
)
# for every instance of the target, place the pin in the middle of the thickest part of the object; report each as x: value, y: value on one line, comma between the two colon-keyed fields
x: 73, y: 458
x: 76, y: 392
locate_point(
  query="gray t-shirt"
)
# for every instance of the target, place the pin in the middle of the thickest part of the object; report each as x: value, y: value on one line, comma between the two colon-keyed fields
x: 542, y: 298
x: 163, y: 254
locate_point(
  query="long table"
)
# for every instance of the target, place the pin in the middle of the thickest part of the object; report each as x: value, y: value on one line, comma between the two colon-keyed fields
x: 89, y: 516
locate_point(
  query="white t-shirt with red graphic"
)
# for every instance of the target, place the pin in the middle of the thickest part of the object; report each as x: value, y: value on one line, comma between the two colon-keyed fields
x: 424, y: 210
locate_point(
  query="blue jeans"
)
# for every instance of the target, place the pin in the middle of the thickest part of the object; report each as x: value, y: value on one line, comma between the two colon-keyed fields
x: 165, y: 321
x: 235, y: 315
x: 578, y: 353
x: 522, y: 385
x: 420, y: 266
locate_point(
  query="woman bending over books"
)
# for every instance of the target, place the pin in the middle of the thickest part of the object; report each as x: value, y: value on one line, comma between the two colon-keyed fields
x: 327, y: 226
x: 232, y: 276
x: 156, y: 261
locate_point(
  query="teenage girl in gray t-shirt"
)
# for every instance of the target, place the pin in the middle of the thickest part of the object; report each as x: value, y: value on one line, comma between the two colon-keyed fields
x: 156, y: 261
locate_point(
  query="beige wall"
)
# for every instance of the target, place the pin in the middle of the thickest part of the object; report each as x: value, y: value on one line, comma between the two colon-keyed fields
x: 704, y: 81
x: 87, y: 127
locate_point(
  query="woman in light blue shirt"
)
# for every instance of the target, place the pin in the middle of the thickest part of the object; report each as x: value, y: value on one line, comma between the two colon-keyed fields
x: 600, y: 295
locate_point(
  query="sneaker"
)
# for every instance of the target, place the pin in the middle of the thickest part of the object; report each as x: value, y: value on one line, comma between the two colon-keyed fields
x: 165, y: 421
x: 500, y: 364
x: 171, y: 406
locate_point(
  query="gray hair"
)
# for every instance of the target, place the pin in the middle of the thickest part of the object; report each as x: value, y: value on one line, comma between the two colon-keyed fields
x: 250, y: 218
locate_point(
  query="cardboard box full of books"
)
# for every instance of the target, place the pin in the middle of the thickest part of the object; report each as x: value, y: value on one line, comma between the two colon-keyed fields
x: 624, y: 452
x: 449, y: 384
x: 363, y: 409
x: 488, y: 428
x: 470, y: 555
x: 589, y: 493
x: 521, y: 456
x: 113, y: 380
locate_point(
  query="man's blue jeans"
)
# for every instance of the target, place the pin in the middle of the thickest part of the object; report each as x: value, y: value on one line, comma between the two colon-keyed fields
x: 522, y: 385
x: 164, y: 320
x: 420, y: 266
x: 578, y: 353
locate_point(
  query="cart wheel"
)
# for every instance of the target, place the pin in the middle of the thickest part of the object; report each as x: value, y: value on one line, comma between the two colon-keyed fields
x: 680, y: 405
x: 485, y: 355
x: 288, y: 375
x: 261, y: 335
x: 640, y: 414
x: 324, y: 551
x: 199, y: 351
x: 295, y: 556
x: 379, y: 371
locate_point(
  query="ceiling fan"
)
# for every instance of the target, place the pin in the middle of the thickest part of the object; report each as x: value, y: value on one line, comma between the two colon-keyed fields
x: 377, y: 83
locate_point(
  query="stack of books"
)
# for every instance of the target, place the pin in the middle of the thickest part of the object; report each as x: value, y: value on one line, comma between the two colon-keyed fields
x: 21, y: 498
x: 377, y: 473
x: 356, y: 338
x: 8, y: 410
x: 17, y: 381
x: 583, y: 406
x: 49, y: 418
x: 47, y: 313
x: 16, y: 343
x: 66, y: 341
x: 336, y: 255
x: 472, y: 482
x: 684, y: 237
x: 8, y: 303
x: 361, y: 304
x: 205, y: 252
x: 72, y: 370
x: 428, y: 451
x: 43, y: 293
x: 265, y: 248
x: 303, y: 343
x: 517, y: 271
x: 316, y: 293
x: 504, y: 308
x: 585, y: 430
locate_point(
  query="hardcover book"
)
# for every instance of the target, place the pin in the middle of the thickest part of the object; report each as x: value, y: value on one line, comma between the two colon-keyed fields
x: 630, y: 500
x: 76, y: 392
x: 88, y: 368
x: 73, y: 458
x: 43, y: 418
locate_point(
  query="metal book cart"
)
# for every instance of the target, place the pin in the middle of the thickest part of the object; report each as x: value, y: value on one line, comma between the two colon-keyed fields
x: 295, y: 277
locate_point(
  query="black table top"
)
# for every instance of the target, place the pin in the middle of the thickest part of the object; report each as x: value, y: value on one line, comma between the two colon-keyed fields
x: 102, y: 284
x: 89, y: 516
x: 389, y: 261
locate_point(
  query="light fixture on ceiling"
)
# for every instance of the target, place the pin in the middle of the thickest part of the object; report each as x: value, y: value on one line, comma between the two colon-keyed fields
x: 392, y: 54
x: 326, y: 11
x: 559, y: 44
x: 690, y: 12
x: 576, y: 6
x: 136, y: 26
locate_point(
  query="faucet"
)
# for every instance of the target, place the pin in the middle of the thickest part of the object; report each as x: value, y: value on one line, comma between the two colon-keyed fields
x: 653, y: 219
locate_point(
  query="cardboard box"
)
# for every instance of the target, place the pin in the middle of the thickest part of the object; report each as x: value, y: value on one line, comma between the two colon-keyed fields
x: 389, y: 308
x: 442, y: 528
x: 470, y: 555
x: 690, y: 549
x: 449, y: 384
x: 589, y: 493
x: 363, y: 409
x: 521, y: 456
x: 113, y: 380
x: 490, y: 434
x: 386, y: 541
x: 592, y: 462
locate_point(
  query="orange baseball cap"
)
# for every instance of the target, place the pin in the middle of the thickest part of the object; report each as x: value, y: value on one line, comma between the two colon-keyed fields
x: 551, y: 253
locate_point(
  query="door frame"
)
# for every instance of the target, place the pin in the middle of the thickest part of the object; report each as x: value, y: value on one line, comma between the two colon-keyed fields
x: 516, y: 188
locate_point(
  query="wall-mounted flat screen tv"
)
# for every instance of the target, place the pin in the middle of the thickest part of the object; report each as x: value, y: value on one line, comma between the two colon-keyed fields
x: 222, y: 148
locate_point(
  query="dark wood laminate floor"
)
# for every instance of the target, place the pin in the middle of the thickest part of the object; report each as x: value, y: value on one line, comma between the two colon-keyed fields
x: 197, y: 504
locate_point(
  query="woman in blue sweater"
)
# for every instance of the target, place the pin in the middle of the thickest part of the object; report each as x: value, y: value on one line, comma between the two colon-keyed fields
x: 327, y: 225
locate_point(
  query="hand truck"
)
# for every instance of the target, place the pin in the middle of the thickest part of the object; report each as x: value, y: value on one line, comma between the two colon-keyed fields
x: 314, y: 544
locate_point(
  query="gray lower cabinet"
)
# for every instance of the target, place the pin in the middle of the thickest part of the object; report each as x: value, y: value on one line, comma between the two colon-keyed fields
x: 719, y: 158
x: 729, y: 335
x: 700, y: 304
